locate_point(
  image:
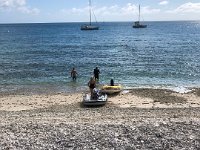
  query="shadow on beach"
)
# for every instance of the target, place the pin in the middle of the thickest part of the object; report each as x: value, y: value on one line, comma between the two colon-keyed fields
x: 90, y: 106
x: 159, y: 95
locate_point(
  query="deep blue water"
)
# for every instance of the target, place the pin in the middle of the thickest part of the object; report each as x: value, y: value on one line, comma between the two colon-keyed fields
x: 39, y: 57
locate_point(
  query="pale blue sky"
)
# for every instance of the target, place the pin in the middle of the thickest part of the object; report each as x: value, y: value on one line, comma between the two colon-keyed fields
x: 20, y: 11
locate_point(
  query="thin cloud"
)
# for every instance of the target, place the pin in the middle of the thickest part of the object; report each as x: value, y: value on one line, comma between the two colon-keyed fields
x: 17, y: 5
x: 114, y: 10
x: 26, y: 10
x: 12, y: 3
x: 163, y: 3
x: 148, y: 10
x: 77, y: 11
x: 187, y: 8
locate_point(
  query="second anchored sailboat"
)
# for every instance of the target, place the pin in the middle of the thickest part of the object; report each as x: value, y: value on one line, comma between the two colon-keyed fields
x: 137, y: 23
x: 89, y: 26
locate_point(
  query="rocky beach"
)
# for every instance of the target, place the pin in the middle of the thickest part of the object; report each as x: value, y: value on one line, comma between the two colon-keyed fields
x: 134, y: 119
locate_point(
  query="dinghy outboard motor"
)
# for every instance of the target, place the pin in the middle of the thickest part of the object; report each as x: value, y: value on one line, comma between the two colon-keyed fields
x: 96, y: 93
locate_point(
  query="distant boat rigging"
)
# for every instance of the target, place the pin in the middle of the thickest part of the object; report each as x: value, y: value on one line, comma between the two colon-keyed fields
x: 90, y: 26
x: 137, y: 23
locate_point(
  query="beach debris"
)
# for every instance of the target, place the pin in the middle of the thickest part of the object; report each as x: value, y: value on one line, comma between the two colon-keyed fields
x: 181, y: 90
x: 125, y: 91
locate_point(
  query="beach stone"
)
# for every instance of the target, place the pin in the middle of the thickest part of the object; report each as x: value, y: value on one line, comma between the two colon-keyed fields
x: 100, y: 128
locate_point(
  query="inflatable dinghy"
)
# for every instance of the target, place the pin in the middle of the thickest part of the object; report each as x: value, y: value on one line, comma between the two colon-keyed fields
x: 108, y: 89
x: 97, y: 99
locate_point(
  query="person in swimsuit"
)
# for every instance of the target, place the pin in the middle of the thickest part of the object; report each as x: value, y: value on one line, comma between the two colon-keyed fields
x: 112, y: 82
x: 73, y: 74
x: 92, y: 85
x: 96, y: 73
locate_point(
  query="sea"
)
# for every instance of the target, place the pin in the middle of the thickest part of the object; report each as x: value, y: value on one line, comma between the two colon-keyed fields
x: 38, y: 58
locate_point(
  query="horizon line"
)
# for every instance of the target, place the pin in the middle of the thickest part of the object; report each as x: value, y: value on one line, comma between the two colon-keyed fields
x: 95, y: 22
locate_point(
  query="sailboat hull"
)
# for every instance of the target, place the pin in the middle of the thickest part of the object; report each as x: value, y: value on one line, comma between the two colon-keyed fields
x: 139, y: 26
x: 89, y: 27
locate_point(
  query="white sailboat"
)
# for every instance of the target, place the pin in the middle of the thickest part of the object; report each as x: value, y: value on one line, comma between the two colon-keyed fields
x: 137, y: 23
x: 89, y: 26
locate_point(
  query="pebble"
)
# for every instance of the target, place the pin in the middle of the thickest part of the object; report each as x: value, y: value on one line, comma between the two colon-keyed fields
x: 99, y: 128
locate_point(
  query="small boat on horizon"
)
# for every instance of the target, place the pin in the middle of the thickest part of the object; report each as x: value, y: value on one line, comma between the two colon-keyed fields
x: 90, y: 26
x: 137, y: 23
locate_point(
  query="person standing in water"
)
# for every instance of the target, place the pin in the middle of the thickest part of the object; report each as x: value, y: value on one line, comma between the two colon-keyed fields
x: 96, y: 73
x: 112, y: 82
x: 73, y: 74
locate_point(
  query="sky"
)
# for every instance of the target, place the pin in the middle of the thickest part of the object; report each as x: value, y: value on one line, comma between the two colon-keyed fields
x: 42, y: 11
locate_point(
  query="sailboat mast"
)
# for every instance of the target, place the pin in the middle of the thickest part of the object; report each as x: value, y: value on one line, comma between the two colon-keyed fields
x: 139, y: 14
x: 90, y: 11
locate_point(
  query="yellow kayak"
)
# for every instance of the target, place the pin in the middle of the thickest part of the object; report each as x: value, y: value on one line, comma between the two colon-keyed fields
x: 111, y: 89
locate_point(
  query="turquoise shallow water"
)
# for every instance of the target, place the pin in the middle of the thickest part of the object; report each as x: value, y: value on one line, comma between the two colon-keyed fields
x: 39, y: 57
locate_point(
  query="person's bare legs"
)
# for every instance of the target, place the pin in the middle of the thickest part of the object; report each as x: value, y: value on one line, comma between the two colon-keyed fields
x: 91, y: 92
